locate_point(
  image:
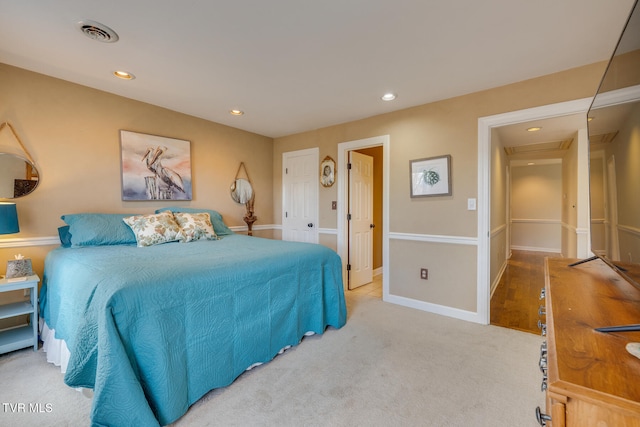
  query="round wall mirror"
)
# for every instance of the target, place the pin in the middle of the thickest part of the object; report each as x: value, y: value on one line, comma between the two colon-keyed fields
x: 241, y: 191
x: 18, y: 176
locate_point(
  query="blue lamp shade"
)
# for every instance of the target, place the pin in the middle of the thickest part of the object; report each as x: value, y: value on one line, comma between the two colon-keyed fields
x: 8, y: 218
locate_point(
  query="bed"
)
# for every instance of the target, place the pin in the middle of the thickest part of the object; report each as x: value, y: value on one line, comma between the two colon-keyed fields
x: 152, y: 329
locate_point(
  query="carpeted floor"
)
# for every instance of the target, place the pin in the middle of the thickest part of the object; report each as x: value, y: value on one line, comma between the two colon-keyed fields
x: 389, y: 365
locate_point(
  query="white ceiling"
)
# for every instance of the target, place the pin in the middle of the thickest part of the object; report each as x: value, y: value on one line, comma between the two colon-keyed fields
x: 293, y: 66
x: 538, y: 145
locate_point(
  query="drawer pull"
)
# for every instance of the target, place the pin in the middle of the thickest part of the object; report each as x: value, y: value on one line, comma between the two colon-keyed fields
x: 542, y: 311
x: 542, y: 418
x: 542, y: 327
x: 543, y: 364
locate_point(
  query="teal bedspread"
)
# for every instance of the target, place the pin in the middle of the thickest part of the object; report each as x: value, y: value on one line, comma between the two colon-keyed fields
x: 151, y: 330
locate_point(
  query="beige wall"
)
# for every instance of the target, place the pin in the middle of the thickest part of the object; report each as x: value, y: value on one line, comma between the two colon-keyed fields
x: 72, y: 133
x: 536, y: 213
x: 446, y: 127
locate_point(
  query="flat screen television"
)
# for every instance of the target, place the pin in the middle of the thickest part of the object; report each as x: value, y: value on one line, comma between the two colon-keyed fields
x: 614, y: 148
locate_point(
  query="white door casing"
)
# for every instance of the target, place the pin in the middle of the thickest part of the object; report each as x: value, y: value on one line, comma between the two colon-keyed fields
x: 300, y: 195
x: 507, y: 254
x: 343, y: 233
x: 361, y: 219
x: 611, y: 211
x: 485, y: 124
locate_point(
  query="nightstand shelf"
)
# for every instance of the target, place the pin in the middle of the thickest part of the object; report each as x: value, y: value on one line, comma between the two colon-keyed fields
x: 15, y: 309
x: 19, y: 337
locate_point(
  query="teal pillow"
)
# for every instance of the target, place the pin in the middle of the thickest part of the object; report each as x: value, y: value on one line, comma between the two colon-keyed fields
x: 65, y: 236
x: 219, y: 226
x: 96, y: 229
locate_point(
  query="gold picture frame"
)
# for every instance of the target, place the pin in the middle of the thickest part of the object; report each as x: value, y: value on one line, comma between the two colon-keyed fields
x: 327, y: 172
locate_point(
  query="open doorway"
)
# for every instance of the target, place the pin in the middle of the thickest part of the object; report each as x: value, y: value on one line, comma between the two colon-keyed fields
x: 375, y: 148
x: 534, y: 226
x: 492, y: 220
x: 365, y: 224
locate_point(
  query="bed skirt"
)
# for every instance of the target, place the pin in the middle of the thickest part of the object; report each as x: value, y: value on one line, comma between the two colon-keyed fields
x: 55, y: 349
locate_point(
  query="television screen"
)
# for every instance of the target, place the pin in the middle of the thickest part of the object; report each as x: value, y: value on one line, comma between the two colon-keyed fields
x: 614, y: 147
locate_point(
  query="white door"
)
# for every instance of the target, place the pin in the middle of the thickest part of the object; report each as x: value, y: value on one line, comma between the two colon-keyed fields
x: 300, y: 195
x: 360, y: 219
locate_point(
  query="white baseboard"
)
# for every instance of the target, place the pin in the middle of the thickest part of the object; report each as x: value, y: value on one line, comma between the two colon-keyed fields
x: 536, y: 249
x: 494, y: 285
x: 456, y: 313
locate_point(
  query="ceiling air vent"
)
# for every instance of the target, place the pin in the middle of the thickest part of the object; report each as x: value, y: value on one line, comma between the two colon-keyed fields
x: 539, y: 147
x: 603, y: 138
x: 97, y: 31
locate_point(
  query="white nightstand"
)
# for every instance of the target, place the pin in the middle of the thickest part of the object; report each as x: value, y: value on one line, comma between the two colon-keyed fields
x: 21, y: 336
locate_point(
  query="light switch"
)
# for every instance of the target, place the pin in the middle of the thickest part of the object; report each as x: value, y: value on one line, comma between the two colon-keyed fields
x: 471, y: 204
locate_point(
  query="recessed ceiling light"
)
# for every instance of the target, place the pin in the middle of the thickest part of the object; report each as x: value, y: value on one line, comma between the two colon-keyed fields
x: 236, y: 112
x: 388, y: 96
x: 124, y: 75
x: 533, y: 129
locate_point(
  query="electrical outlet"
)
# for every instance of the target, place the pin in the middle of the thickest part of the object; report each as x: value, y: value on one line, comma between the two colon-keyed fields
x: 424, y: 273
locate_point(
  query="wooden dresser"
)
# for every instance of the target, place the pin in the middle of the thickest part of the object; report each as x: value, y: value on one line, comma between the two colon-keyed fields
x: 589, y: 377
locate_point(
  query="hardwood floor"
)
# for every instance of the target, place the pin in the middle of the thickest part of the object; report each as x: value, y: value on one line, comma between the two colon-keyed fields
x: 516, y: 300
x: 373, y: 289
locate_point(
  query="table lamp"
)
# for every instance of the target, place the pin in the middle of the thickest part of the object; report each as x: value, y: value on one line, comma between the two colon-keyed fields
x: 8, y: 218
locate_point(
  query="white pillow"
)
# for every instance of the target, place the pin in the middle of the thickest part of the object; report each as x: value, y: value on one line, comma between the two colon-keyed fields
x: 195, y: 226
x: 154, y: 229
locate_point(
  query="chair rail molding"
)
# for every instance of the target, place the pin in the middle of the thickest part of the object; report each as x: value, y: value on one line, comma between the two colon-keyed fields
x: 29, y: 241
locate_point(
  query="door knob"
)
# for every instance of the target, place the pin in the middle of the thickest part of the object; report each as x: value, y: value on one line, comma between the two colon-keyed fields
x: 372, y: 225
x: 310, y: 225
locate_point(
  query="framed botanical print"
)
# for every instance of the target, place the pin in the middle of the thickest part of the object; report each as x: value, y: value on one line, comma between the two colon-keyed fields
x: 430, y: 176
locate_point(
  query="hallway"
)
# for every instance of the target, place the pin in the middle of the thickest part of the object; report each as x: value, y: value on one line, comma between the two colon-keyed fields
x: 516, y: 300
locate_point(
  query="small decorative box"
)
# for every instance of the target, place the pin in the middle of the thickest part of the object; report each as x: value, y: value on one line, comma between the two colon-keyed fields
x: 19, y: 268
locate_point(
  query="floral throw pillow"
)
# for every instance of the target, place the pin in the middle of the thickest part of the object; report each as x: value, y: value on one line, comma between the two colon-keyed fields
x: 154, y: 229
x: 195, y: 226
